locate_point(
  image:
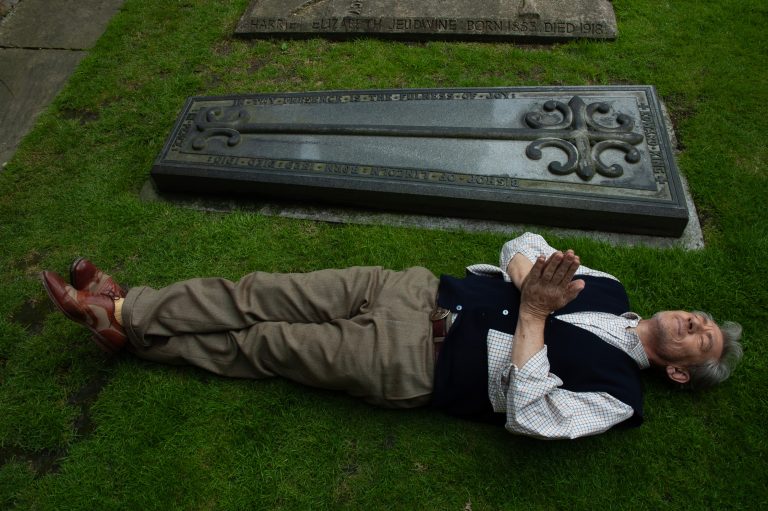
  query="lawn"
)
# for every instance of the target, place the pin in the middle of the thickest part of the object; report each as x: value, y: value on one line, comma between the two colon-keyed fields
x: 79, y: 430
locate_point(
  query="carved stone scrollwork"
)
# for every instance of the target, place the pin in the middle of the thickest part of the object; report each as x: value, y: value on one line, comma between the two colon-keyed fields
x: 632, y: 155
x: 215, y: 121
x: 582, y: 137
x: 538, y: 121
x: 533, y: 151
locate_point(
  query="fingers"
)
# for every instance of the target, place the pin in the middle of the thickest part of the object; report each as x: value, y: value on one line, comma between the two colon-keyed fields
x: 573, y: 262
x: 574, y: 288
x: 560, y: 268
x: 552, y: 265
x: 538, y: 267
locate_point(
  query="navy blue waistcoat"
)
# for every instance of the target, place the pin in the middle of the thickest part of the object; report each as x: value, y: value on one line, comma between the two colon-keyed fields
x: 583, y: 361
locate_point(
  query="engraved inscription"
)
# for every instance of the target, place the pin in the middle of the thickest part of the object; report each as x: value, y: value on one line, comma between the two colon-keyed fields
x: 354, y: 22
x: 508, y: 19
x: 489, y: 26
x: 427, y: 24
x: 325, y: 24
x: 367, y: 171
x: 658, y: 163
x: 275, y: 24
x: 375, y: 97
x: 562, y: 27
x: 182, y: 135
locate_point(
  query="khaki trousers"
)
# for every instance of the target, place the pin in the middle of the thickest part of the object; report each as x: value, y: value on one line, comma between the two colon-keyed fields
x: 364, y: 330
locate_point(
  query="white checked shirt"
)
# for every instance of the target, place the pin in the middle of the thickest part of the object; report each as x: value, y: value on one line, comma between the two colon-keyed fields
x: 531, y: 396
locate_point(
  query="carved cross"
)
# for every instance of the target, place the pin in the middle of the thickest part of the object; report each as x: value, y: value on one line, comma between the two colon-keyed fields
x: 573, y: 129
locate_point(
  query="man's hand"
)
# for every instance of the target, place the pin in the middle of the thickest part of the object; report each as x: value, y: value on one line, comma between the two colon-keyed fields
x: 548, y: 286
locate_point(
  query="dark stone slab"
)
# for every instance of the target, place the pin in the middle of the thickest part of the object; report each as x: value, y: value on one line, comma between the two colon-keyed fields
x: 582, y: 157
x: 527, y: 20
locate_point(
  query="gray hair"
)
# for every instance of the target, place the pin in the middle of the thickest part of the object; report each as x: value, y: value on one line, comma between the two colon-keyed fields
x: 713, y: 372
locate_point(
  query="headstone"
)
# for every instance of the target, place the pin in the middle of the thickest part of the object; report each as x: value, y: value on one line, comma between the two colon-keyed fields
x: 525, y: 20
x: 583, y: 157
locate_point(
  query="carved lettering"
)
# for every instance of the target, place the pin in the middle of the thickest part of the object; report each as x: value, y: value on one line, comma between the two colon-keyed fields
x: 325, y: 24
x: 224, y: 160
x: 274, y: 24
x: 183, y: 131
x: 526, y: 26
x: 375, y: 97
x: 658, y: 163
x: 424, y: 24
x: 366, y: 171
x: 592, y: 28
x: 485, y: 26
x: 650, y: 130
x: 354, y: 22
x: 350, y: 24
x: 559, y: 27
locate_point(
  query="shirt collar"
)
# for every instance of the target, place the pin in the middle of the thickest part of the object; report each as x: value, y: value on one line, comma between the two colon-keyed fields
x: 637, y: 351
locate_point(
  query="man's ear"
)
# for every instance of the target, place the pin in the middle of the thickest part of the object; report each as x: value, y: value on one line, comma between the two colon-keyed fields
x: 678, y: 374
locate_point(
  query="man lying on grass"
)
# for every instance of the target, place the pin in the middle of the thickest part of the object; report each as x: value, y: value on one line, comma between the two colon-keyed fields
x: 525, y: 344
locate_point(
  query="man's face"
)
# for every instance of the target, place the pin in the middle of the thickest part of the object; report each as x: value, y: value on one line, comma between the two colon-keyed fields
x: 687, y: 338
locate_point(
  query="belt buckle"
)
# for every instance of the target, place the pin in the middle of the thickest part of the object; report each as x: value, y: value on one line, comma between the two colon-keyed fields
x: 439, y: 313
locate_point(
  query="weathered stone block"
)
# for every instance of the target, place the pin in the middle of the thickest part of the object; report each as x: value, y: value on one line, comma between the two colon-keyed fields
x: 527, y: 20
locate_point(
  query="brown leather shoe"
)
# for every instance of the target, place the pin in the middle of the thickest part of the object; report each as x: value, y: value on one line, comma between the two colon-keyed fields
x: 85, y: 276
x: 94, y: 311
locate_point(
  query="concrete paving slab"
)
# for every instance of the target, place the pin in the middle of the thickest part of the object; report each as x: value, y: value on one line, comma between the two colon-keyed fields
x: 29, y: 80
x: 41, y: 44
x: 59, y: 24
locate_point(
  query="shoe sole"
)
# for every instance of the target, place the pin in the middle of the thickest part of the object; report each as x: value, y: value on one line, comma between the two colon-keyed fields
x: 100, y: 341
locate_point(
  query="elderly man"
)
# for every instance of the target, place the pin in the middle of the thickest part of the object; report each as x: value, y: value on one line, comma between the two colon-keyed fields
x: 541, y: 344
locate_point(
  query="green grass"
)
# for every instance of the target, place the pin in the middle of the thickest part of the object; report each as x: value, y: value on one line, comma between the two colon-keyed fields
x: 80, y: 431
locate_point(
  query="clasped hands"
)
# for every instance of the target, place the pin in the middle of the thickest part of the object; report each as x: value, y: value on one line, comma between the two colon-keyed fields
x: 548, y: 286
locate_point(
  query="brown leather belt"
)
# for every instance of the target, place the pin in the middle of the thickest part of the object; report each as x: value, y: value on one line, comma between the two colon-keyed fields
x: 441, y: 324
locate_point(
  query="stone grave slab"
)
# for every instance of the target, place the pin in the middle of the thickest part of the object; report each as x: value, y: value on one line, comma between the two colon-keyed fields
x: 581, y: 157
x: 525, y: 20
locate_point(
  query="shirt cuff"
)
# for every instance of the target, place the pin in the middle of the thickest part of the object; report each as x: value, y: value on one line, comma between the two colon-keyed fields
x: 537, y: 367
x: 529, y: 245
x: 531, y: 382
x: 530, y: 376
